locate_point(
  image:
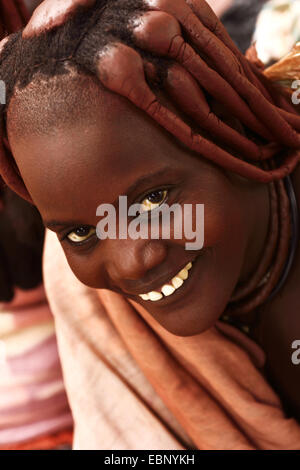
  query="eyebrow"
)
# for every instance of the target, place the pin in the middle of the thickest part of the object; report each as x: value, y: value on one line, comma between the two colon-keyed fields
x: 58, y: 223
x: 150, y: 176
x: 139, y: 182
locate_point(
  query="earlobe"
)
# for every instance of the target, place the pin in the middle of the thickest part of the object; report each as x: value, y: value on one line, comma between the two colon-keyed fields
x: 9, y: 170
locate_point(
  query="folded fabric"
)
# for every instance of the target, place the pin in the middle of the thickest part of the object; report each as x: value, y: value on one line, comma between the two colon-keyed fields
x: 133, y: 385
x: 33, y: 401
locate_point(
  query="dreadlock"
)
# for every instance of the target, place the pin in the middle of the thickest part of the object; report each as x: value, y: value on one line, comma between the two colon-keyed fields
x: 133, y: 48
x: 76, y: 43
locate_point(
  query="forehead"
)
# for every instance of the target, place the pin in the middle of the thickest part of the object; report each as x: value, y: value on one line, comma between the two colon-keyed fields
x: 90, y: 163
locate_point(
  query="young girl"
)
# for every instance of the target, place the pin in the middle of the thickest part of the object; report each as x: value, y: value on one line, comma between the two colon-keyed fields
x: 151, y: 100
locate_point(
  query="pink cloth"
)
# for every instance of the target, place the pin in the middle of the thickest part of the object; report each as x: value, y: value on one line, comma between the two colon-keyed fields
x: 33, y: 401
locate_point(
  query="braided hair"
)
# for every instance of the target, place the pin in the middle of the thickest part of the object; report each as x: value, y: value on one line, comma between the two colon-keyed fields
x: 133, y: 48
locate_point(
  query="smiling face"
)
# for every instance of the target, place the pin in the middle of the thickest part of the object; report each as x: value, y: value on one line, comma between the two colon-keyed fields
x: 71, y: 169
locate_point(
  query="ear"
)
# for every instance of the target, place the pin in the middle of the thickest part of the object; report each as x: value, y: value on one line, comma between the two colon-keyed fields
x: 9, y: 171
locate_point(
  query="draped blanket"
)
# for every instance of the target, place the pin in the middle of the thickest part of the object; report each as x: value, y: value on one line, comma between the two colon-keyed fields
x: 133, y: 385
x: 34, y: 411
x: 33, y: 402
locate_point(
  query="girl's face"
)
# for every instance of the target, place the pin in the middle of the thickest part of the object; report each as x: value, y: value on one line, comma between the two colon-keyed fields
x: 73, y: 170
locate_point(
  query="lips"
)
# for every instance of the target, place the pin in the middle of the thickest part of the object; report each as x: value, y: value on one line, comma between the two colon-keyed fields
x: 169, y: 287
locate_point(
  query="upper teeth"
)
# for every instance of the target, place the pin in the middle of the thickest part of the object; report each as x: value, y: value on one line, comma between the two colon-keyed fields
x: 170, y: 287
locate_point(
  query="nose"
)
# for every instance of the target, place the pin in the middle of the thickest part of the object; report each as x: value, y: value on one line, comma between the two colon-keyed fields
x: 132, y: 259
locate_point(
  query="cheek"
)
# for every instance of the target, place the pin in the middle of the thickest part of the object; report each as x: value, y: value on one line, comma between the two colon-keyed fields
x: 223, y: 221
x: 86, y: 267
x: 226, y: 233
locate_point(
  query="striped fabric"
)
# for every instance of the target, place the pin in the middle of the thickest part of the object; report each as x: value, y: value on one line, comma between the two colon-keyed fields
x: 34, y: 411
x: 33, y: 402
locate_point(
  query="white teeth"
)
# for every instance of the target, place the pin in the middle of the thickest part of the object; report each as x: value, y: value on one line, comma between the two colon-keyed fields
x: 167, y: 289
x: 177, y: 282
x: 144, y: 296
x: 155, y: 296
x: 171, y: 287
x: 183, y: 274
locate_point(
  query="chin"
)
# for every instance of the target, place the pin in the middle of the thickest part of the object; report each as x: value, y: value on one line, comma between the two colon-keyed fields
x: 189, y: 321
x: 194, y: 307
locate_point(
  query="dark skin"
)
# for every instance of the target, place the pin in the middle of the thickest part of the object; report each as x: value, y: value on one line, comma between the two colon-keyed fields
x: 86, y: 165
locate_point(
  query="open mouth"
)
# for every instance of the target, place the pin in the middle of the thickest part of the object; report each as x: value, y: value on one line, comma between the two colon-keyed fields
x: 168, y: 289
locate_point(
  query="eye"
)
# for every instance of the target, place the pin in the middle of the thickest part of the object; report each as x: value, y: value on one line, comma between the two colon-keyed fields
x: 81, y: 234
x: 153, y: 200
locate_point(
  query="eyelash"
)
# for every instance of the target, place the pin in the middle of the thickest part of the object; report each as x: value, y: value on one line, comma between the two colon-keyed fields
x: 88, y: 240
x: 167, y: 187
x: 77, y: 244
x: 148, y: 193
